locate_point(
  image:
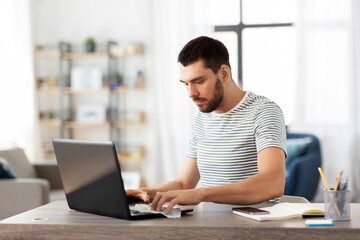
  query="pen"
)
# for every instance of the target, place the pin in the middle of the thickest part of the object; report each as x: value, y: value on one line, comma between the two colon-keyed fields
x: 345, y: 185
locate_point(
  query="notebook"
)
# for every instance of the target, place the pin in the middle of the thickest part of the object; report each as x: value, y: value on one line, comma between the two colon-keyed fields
x: 286, y: 210
x: 91, y: 176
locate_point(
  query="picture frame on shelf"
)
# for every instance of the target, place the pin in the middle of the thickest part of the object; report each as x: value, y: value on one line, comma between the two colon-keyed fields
x: 91, y: 113
x: 86, y: 78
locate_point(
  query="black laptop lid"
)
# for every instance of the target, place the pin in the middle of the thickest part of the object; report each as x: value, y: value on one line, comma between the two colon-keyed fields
x: 91, y: 177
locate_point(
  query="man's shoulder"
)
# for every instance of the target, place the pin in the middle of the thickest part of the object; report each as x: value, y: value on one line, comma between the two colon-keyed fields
x: 256, y: 99
x: 259, y: 101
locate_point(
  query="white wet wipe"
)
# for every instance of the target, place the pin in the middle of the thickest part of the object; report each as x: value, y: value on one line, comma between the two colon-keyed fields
x: 145, y: 208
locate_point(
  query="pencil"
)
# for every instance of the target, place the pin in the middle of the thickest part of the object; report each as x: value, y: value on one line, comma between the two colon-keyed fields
x: 338, y: 181
x: 332, y: 197
x: 323, y: 178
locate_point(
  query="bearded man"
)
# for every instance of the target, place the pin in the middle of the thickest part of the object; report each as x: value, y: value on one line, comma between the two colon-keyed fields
x: 238, y: 143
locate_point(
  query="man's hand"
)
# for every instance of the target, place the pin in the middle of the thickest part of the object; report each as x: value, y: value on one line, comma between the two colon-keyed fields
x: 182, y: 197
x: 141, y: 194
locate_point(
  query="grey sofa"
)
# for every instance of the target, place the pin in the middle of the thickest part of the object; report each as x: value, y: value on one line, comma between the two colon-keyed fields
x: 36, y: 185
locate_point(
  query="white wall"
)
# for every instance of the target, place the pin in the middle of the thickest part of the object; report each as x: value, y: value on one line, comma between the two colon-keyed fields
x: 74, y: 20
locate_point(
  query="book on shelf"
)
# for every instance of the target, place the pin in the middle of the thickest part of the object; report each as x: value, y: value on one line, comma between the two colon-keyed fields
x: 286, y: 210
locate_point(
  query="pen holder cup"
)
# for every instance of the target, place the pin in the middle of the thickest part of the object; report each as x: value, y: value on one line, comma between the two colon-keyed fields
x: 337, y: 204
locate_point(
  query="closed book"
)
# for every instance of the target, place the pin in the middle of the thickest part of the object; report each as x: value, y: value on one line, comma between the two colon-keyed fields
x: 285, y: 210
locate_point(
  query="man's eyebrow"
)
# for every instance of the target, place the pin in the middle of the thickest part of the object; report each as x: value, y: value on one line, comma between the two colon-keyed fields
x: 194, y: 79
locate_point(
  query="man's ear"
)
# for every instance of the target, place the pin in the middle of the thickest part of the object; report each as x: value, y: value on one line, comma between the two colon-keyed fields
x: 224, y: 73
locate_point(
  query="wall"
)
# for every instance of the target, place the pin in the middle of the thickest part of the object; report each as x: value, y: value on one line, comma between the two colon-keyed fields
x: 75, y: 20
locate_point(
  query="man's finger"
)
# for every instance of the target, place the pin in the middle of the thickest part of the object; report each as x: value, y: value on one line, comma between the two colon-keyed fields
x: 131, y: 192
x: 146, y: 198
x: 162, y: 200
x: 170, y: 206
x: 155, y: 200
x: 143, y: 196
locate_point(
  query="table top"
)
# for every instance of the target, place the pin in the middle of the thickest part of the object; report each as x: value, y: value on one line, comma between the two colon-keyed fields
x: 208, y: 220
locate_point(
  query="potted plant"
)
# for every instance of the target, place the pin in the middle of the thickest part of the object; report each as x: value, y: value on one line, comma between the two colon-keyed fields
x: 90, y: 45
x: 119, y: 79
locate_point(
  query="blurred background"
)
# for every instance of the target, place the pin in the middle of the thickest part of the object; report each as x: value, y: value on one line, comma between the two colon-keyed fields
x: 302, y: 54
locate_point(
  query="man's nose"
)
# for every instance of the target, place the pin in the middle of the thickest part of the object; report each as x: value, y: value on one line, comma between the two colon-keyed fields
x: 193, y: 92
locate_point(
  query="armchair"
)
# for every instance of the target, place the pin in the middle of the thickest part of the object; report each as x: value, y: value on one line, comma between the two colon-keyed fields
x: 302, y: 176
x: 36, y: 184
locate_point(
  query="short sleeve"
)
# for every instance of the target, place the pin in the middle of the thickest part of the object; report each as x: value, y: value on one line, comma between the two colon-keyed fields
x: 269, y: 127
x: 192, y: 147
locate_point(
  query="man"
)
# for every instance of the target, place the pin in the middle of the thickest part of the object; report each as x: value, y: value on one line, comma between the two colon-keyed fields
x: 238, y: 142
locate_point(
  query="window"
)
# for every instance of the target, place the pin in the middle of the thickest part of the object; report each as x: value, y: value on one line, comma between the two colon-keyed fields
x: 263, y: 35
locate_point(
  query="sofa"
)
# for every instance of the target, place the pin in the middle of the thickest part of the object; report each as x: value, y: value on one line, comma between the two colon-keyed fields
x: 302, y: 163
x: 35, y: 184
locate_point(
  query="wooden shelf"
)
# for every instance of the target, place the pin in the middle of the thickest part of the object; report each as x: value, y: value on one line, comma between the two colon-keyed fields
x: 50, y: 123
x: 47, y: 55
x: 139, y: 121
x: 134, y: 156
x: 75, y: 124
x: 125, y: 89
x: 126, y: 124
x: 49, y: 89
x: 59, y: 87
x: 120, y: 51
x: 116, y: 51
x: 79, y: 55
x: 70, y: 90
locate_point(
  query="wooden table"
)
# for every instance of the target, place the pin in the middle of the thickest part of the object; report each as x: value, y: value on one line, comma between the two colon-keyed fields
x: 208, y: 221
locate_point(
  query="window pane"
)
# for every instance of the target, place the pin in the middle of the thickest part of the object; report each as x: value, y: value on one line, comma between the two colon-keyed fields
x: 224, y: 12
x: 269, y: 65
x: 230, y: 40
x: 265, y: 11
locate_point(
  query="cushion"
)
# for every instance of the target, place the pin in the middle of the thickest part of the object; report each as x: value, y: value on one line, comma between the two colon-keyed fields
x: 295, y: 147
x: 5, y: 170
x: 19, y: 162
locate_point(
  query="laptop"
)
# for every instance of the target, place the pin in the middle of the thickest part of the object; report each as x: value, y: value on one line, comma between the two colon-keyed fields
x: 91, y: 176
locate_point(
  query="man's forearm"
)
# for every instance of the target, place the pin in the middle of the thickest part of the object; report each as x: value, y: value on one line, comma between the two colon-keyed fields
x: 173, y: 185
x: 188, y: 178
x: 255, y: 189
x: 268, y: 183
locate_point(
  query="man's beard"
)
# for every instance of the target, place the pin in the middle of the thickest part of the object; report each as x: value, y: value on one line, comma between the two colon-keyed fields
x: 213, y: 103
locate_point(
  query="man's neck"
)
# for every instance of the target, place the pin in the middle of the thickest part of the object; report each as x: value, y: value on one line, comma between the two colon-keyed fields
x: 232, y: 96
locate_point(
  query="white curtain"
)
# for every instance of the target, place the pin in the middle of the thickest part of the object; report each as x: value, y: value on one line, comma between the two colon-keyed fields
x: 356, y: 98
x: 328, y: 103
x: 17, y: 121
x: 175, y: 22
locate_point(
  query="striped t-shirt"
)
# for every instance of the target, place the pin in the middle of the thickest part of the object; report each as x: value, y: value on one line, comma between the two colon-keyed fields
x: 226, y: 145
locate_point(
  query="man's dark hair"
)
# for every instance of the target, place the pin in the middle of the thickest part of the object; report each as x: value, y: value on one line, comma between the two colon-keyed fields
x: 212, y: 51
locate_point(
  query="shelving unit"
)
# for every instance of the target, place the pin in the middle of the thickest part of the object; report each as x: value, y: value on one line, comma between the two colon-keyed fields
x: 61, y: 120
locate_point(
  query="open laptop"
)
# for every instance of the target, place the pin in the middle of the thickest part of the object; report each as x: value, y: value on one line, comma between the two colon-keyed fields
x: 92, y: 181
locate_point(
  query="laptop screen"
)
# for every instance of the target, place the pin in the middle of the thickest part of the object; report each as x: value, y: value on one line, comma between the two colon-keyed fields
x: 91, y: 177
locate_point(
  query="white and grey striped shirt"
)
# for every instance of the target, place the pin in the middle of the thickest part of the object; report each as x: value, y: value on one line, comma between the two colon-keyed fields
x: 226, y: 145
